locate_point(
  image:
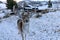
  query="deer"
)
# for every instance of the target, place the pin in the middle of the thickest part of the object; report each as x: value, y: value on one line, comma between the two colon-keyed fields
x: 21, y: 22
x: 20, y: 27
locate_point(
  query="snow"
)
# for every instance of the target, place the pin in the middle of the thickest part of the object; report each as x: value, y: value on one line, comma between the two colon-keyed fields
x: 46, y: 27
x: 8, y: 29
x: 2, y: 15
x: 43, y: 28
x: 43, y: 7
x: 2, y: 6
x: 7, y: 11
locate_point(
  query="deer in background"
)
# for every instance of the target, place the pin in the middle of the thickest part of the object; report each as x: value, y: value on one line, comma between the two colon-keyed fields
x: 21, y: 22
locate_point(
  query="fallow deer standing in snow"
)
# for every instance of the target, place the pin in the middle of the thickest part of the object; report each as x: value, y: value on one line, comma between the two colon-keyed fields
x: 21, y: 22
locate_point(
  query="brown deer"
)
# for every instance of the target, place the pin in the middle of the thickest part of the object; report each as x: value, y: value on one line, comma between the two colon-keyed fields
x: 20, y: 27
x: 21, y: 22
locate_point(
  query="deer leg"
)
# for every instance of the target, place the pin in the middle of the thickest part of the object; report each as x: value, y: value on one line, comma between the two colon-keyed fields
x: 23, y: 34
x: 28, y: 26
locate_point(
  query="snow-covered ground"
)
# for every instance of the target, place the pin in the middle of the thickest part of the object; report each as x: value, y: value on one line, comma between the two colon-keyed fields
x: 8, y: 29
x: 46, y: 27
x: 43, y: 7
x: 2, y: 6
